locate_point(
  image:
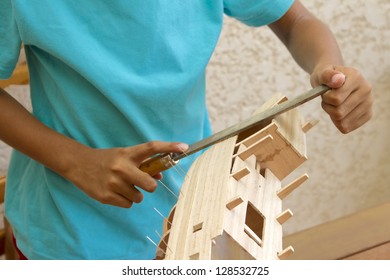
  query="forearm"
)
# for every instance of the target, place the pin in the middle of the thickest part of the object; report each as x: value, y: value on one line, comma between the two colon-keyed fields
x: 309, y: 41
x: 22, y: 131
x: 107, y: 175
x: 313, y: 46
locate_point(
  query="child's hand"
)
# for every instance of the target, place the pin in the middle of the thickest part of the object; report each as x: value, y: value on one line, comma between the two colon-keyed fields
x: 349, y: 103
x: 110, y: 175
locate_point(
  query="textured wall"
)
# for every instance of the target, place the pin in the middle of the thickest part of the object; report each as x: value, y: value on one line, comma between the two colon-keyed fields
x: 347, y: 172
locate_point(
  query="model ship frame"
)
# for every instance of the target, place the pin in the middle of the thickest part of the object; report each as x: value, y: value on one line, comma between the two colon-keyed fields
x: 230, y: 205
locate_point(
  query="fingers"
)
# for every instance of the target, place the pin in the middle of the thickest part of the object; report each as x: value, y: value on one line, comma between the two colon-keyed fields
x: 143, y: 180
x: 139, y: 153
x: 124, y: 171
x: 152, y: 148
x: 329, y: 75
x: 338, y: 96
x: 117, y: 191
x: 126, y: 168
x: 112, y: 176
x: 128, y: 195
x: 119, y: 201
x: 349, y: 106
x: 351, y: 114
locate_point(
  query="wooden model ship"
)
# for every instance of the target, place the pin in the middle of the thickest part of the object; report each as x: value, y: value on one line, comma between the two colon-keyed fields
x: 230, y: 206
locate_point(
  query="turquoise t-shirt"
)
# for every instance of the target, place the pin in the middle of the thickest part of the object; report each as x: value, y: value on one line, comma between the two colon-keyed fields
x: 110, y: 74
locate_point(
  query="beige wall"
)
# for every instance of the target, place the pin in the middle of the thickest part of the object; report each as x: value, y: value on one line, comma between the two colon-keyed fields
x: 347, y: 172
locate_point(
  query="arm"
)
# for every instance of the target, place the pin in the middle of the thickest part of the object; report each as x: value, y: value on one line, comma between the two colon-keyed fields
x: 107, y: 175
x: 315, y: 49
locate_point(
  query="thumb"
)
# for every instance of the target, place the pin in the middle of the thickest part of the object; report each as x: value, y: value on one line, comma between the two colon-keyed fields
x: 331, y: 77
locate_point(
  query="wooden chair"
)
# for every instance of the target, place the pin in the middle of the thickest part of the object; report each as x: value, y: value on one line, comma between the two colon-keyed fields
x: 19, y: 77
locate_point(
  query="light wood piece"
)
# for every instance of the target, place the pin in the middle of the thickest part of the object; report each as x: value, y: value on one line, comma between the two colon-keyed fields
x: 380, y: 252
x: 285, y: 191
x: 365, y: 231
x: 238, y: 175
x: 284, y: 216
x: 229, y: 206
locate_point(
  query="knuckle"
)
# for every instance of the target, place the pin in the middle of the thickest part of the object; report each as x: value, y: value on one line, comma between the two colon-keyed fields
x: 112, y: 183
x: 352, y: 72
x: 116, y: 167
x: 128, y: 204
x: 137, y: 198
x: 123, y: 151
x: 152, y: 146
x: 105, y: 198
x: 369, y: 87
x: 344, y: 127
x: 324, y: 106
x: 336, y: 99
x: 332, y: 98
x: 355, y: 72
x: 150, y: 187
x: 338, y: 114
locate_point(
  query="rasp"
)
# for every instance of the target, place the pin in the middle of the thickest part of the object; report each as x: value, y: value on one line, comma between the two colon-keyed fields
x: 161, y: 162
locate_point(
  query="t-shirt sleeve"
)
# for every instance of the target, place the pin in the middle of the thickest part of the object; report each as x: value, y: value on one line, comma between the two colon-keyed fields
x: 10, y: 41
x: 257, y: 12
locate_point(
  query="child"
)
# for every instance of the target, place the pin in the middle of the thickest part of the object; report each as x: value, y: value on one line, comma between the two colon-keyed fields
x: 107, y: 80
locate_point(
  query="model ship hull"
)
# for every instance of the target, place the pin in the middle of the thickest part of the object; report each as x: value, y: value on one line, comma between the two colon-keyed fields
x: 230, y: 206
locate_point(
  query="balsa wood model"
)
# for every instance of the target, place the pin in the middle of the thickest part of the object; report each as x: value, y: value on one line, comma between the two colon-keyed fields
x: 230, y: 206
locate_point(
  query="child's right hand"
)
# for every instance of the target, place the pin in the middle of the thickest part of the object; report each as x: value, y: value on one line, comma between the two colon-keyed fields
x: 107, y: 175
x: 112, y: 176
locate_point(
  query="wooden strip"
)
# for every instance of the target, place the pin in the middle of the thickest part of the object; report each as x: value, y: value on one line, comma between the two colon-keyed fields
x: 252, y: 235
x: 255, y: 137
x: 201, y: 186
x: 241, y: 173
x: 284, y: 216
x: 251, y: 149
x: 197, y: 227
x: 380, y: 252
x: 284, y: 192
x: 276, y: 99
x: 286, y: 253
x: 343, y: 237
x: 309, y: 125
x: 290, y: 127
x: 234, y: 203
x: 282, y: 99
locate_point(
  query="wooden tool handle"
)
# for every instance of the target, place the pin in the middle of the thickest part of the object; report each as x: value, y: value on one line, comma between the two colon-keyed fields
x: 157, y: 164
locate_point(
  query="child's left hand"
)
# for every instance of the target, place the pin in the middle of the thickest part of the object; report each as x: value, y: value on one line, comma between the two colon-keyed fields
x: 349, y: 103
